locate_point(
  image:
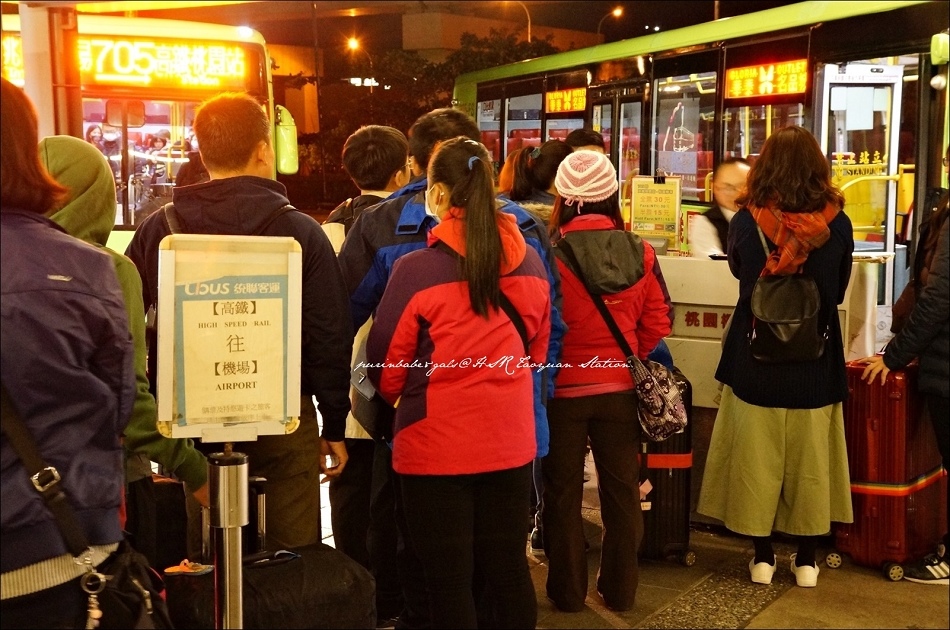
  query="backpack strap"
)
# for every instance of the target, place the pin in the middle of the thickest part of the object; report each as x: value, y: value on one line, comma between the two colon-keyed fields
x: 174, y: 222
x: 171, y: 218
x: 284, y: 209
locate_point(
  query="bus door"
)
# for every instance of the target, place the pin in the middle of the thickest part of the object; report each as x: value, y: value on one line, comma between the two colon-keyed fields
x: 565, y: 104
x: 868, y: 132
x: 121, y: 116
x: 617, y: 114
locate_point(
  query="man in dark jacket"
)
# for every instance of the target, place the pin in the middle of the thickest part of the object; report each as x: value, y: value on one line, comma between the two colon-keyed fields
x: 234, y: 135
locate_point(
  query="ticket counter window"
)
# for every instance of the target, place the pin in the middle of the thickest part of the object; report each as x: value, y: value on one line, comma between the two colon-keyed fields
x: 683, y: 128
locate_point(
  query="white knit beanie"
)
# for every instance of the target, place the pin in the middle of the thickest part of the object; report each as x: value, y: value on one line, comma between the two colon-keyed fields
x: 585, y: 177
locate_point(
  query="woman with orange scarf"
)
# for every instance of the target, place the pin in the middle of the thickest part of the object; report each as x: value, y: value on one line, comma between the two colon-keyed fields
x: 777, y: 458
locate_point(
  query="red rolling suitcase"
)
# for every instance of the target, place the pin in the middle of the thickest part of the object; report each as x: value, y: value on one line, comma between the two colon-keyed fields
x: 665, y: 489
x: 898, y: 487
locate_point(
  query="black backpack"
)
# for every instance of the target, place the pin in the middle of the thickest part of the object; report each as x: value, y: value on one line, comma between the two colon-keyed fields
x: 785, y: 326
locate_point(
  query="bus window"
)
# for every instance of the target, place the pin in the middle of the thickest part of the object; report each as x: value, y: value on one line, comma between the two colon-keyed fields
x: 524, y: 122
x: 683, y: 128
x: 489, y: 122
x: 746, y: 128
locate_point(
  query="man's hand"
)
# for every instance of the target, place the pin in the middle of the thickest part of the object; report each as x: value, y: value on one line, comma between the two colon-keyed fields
x: 336, y: 453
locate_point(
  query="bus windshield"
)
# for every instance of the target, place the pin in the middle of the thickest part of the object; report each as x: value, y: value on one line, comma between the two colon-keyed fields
x: 141, y: 82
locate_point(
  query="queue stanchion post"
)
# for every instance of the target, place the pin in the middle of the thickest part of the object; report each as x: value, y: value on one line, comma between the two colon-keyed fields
x: 229, y: 512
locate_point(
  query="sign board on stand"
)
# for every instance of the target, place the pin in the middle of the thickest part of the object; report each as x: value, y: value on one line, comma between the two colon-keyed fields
x: 655, y: 208
x: 229, y: 319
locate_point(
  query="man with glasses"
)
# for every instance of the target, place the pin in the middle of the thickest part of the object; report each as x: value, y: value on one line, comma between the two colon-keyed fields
x: 708, y: 231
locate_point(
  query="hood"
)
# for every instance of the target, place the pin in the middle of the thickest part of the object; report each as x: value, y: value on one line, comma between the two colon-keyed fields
x: 90, y: 207
x: 610, y: 260
x: 233, y: 205
x: 451, y: 231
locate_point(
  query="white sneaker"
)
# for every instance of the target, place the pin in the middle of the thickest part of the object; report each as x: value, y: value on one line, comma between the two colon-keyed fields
x: 806, y: 577
x: 762, y: 572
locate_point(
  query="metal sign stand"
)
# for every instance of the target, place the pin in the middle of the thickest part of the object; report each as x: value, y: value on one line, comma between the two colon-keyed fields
x: 229, y: 319
x: 228, y: 476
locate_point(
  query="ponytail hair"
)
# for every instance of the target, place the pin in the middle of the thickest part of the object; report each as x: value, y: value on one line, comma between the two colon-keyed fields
x: 535, y: 168
x: 465, y: 167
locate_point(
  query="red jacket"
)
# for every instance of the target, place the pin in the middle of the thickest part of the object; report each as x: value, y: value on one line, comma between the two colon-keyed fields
x: 591, y: 360
x: 464, y: 404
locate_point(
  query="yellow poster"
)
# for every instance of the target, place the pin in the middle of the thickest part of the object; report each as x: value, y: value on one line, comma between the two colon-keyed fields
x: 656, y: 208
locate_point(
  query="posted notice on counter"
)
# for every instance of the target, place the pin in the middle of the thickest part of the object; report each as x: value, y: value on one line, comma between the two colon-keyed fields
x: 229, y: 320
x: 656, y: 208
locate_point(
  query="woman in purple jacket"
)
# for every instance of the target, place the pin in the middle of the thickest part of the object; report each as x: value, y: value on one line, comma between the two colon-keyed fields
x: 66, y: 359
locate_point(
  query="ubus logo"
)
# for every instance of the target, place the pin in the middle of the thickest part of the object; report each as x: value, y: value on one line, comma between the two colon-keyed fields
x: 208, y: 288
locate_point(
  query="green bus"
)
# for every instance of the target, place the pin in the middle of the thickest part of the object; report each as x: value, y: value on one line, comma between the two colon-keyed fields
x: 865, y: 77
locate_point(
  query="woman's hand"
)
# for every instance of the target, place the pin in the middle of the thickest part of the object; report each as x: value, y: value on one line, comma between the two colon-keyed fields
x: 875, y: 366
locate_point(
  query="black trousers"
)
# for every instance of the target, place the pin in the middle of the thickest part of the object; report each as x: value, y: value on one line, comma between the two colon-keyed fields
x: 939, y: 408
x: 460, y: 524
x: 349, y: 501
x: 610, y: 421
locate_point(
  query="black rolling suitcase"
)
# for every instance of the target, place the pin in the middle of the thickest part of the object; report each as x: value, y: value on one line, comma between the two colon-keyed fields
x: 306, y: 587
x: 665, y: 490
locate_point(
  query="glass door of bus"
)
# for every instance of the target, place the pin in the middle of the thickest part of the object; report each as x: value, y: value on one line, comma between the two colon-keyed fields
x: 869, y: 140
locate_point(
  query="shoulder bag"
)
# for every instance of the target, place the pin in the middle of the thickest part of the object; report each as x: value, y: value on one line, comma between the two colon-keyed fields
x: 124, y: 591
x: 660, y: 406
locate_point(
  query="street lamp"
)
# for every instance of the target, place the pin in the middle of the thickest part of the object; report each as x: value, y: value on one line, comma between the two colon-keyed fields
x: 616, y: 13
x: 528, y: 13
x: 354, y: 44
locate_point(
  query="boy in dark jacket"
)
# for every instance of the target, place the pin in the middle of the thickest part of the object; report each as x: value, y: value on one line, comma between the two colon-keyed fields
x: 377, y: 160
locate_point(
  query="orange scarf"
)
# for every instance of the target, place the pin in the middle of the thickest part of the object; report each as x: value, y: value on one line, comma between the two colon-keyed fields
x: 794, y: 233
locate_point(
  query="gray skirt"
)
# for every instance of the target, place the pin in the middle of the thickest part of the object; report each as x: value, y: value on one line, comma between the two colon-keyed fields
x: 777, y: 469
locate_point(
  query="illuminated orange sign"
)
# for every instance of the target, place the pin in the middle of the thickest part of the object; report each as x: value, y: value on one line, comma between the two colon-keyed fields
x: 149, y: 63
x: 786, y: 77
x: 574, y: 100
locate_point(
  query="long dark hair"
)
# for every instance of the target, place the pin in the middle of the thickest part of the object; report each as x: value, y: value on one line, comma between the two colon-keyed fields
x: 791, y: 174
x: 464, y: 165
x: 534, y: 169
x: 26, y: 185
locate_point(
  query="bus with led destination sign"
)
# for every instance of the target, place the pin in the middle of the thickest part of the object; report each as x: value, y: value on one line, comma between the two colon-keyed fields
x: 141, y: 81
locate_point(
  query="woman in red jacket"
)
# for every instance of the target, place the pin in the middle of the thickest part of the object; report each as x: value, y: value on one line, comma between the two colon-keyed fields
x: 594, y: 396
x: 452, y: 346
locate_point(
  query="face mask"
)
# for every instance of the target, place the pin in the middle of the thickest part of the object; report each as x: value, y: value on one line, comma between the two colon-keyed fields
x: 110, y: 137
x: 430, y: 209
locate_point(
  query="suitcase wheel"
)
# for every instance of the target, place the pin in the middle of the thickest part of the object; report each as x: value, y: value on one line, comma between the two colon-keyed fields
x: 688, y: 558
x: 833, y: 560
x: 893, y: 572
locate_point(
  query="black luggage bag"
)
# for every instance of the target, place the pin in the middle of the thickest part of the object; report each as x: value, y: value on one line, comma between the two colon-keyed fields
x: 321, y: 588
x: 665, y: 470
x: 315, y: 586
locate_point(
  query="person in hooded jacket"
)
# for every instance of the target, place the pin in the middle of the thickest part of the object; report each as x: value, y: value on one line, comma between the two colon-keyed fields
x: 67, y: 367
x: 594, y: 398
x: 926, y: 335
x: 437, y: 351
x: 88, y: 213
x: 235, y: 139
